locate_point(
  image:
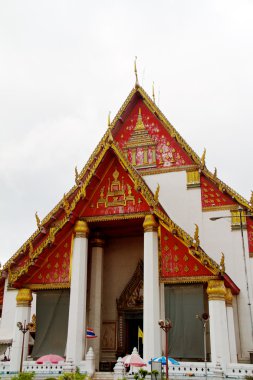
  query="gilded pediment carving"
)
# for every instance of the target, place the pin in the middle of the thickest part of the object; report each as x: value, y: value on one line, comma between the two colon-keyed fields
x: 132, y: 295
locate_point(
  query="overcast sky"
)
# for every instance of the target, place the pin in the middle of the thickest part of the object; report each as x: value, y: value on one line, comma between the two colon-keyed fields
x: 65, y: 64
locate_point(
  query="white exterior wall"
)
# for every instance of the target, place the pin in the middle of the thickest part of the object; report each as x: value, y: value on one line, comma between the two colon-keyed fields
x: 8, y: 313
x: 184, y: 207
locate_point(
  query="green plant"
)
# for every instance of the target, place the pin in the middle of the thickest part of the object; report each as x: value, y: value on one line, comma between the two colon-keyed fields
x: 50, y: 378
x: 136, y: 376
x: 24, y: 376
x: 143, y: 373
x: 73, y: 376
x: 155, y: 373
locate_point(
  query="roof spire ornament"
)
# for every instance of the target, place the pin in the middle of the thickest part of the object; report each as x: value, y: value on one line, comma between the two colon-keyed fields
x: 203, y: 159
x: 222, y: 263
x: 156, y: 196
x: 37, y: 220
x: 196, y: 236
x: 136, y: 74
x: 251, y: 199
x: 76, y: 176
x: 153, y: 92
x: 215, y: 173
x: 110, y: 137
x: 109, y: 119
x: 65, y: 205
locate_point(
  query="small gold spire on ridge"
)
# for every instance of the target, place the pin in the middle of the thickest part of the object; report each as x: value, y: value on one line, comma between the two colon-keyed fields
x: 136, y: 74
x: 37, y: 220
x: 215, y: 173
x: 222, y: 263
x: 251, y: 199
x: 196, y: 236
x: 156, y: 196
x: 76, y: 176
x: 203, y: 158
x: 153, y: 92
x: 109, y: 119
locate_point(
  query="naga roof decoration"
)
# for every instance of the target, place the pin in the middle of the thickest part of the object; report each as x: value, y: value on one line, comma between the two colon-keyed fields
x: 173, y: 154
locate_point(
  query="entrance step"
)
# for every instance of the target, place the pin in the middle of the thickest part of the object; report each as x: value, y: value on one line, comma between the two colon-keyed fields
x: 103, y: 376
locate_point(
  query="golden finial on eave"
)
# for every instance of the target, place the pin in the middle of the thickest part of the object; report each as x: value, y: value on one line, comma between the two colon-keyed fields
x: 109, y: 119
x: 136, y: 74
x: 156, y: 195
x: 76, y: 176
x: 203, y: 158
x: 196, y: 236
x: 37, y: 220
x: 215, y: 173
x: 66, y: 205
x: 251, y: 199
x: 222, y: 263
x: 153, y: 92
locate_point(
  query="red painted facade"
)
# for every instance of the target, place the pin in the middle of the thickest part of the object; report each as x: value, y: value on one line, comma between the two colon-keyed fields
x: 168, y: 152
x: 115, y: 194
x: 176, y: 261
x: 250, y: 234
x: 211, y: 196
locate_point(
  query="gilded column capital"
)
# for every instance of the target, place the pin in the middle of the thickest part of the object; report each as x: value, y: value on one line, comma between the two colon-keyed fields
x: 81, y: 229
x: 216, y: 290
x: 24, y: 297
x: 150, y: 224
x: 229, y: 297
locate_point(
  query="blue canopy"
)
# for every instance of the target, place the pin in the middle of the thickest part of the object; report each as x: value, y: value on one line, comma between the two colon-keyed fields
x: 162, y: 359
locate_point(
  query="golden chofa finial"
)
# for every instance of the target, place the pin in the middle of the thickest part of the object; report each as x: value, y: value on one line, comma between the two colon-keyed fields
x: 153, y: 92
x: 196, y: 236
x: 222, y: 263
x: 65, y: 205
x: 215, y: 173
x: 109, y: 119
x: 76, y: 176
x: 136, y: 74
x: 37, y: 220
x: 203, y: 158
x: 156, y: 196
x: 251, y: 199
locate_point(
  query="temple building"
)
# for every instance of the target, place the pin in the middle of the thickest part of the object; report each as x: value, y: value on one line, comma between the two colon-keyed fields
x: 139, y: 238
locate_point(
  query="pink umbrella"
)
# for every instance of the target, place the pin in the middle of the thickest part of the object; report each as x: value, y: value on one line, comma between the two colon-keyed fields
x: 133, y: 360
x: 50, y: 358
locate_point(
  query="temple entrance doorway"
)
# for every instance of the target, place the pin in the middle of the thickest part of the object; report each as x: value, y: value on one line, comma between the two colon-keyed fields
x: 134, y: 327
x: 130, y: 314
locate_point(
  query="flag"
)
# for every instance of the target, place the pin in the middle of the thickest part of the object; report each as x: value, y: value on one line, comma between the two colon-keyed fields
x: 90, y: 333
x: 140, y: 334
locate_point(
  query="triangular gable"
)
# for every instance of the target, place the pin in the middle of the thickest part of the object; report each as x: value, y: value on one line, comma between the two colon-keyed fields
x: 139, y: 96
x: 212, y: 197
x: 147, y: 143
x: 115, y: 193
x: 179, y: 263
x: 54, y: 268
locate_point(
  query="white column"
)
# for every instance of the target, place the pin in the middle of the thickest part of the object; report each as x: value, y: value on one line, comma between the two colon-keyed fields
x: 231, y: 326
x: 78, y: 292
x: 23, y: 313
x: 96, y: 296
x: 151, y: 306
x: 218, y: 323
